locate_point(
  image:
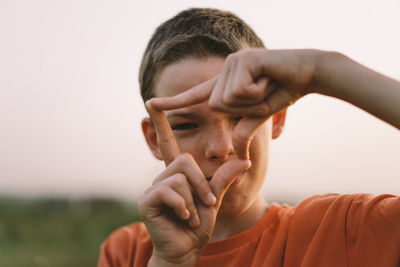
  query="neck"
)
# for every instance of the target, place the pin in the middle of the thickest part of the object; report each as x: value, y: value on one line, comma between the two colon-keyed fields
x: 228, y: 226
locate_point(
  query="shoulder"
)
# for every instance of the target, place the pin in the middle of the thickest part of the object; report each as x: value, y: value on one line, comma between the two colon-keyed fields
x: 349, y: 203
x: 321, y: 205
x: 123, y: 244
x: 359, y: 226
x: 346, y: 211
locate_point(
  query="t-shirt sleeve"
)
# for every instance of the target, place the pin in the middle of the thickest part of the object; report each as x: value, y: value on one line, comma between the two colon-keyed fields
x: 113, y: 251
x: 345, y: 230
x: 373, y: 230
x: 127, y: 246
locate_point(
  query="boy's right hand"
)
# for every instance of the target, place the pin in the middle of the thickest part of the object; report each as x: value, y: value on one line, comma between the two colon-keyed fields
x: 180, y: 208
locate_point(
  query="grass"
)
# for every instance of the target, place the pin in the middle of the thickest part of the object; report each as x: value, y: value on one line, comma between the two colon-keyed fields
x: 58, y: 232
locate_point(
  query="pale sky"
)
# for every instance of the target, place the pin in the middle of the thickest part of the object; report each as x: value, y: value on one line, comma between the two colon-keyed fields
x: 70, y: 108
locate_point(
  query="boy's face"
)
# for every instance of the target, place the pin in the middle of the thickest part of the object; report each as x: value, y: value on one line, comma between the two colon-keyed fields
x: 207, y: 134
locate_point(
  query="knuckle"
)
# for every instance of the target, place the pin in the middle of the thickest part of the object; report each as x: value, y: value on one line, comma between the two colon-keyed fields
x: 142, y: 206
x: 230, y: 57
x: 212, y: 104
x: 230, y: 99
x: 181, y: 158
x: 156, y: 181
x: 140, y: 202
x: 142, y: 209
x: 179, y: 179
x: 261, y: 110
x: 147, y: 190
x: 161, y: 190
x: 244, y: 52
x: 240, y: 91
x: 247, y: 91
x: 215, y: 104
x: 186, y: 157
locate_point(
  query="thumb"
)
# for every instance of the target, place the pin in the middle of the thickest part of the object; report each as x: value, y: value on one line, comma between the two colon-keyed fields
x: 225, y: 175
x: 244, y: 133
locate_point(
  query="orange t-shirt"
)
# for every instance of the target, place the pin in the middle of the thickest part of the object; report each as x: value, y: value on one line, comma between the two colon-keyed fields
x: 328, y: 230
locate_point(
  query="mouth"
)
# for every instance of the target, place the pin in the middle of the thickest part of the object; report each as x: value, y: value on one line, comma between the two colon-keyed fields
x: 236, y: 180
x: 239, y: 178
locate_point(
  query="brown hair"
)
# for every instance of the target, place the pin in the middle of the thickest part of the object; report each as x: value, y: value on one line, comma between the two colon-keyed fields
x: 198, y: 33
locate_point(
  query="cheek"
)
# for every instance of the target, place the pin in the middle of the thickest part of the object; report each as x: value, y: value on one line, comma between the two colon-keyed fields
x: 260, y: 143
x: 259, y: 153
x: 188, y: 144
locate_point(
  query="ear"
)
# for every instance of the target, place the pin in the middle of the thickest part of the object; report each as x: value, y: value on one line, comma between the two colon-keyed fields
x: 150, y: 134
x: 278, y: 122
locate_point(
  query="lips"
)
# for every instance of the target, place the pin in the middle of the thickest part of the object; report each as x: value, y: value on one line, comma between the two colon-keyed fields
x: 237, y: 179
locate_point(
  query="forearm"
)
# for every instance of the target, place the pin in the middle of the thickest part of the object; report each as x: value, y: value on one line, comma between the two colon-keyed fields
x: 340, y: 77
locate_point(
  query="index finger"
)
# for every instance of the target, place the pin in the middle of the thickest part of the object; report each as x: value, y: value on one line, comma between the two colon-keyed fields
x: 165, y: 138
x: 195, y: 95
x: 225, y: 175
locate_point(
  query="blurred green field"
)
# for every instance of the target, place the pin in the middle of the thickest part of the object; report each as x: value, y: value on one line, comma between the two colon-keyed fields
x: 58, y: 232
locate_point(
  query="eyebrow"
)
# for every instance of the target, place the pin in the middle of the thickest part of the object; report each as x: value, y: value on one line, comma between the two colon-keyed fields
x: 189, y: 115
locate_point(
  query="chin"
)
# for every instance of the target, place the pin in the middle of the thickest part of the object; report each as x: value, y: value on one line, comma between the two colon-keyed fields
x: 233, y: 205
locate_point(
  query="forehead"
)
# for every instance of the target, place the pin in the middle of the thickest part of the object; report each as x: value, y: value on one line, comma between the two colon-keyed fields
x: 185, y: 74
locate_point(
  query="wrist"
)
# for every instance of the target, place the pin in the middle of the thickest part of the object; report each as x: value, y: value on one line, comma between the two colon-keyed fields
x: 187, y: 261
x: 327, y: 64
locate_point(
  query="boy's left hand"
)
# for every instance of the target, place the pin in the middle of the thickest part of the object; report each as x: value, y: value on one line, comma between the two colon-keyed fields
x: 255, y: 84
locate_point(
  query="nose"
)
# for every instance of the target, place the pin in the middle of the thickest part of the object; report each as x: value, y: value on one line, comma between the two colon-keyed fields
x: 219, y: 146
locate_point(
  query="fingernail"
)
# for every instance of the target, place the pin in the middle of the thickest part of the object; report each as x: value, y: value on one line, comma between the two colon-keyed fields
x: 194, y: 221
x: 249, y: 163
x: 186, y: 214
x: 147, y: 104
x: 211, y: 199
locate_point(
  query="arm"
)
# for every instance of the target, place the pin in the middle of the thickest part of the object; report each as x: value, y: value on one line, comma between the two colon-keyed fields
x: 265, y: 82
x: 343, y: 78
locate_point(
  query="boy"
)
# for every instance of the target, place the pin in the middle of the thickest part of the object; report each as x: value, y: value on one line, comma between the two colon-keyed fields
x: 205, y: 208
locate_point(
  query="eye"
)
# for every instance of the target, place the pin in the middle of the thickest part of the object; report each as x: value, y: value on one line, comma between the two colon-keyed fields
x: 237, y: 119
x: 184, y: 126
